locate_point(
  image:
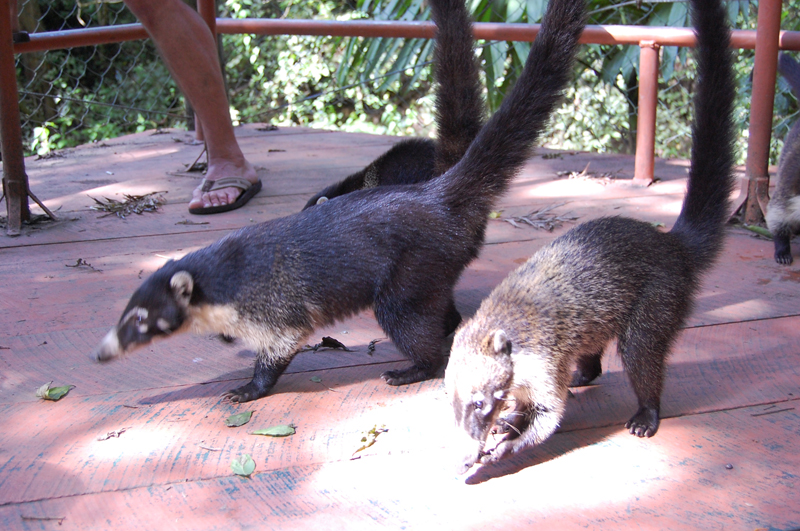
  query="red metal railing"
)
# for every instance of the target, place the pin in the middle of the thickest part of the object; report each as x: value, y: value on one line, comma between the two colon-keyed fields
x: 766, y: 40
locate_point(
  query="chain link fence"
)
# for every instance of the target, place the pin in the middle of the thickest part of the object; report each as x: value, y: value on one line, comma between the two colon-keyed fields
x: 85, y: 94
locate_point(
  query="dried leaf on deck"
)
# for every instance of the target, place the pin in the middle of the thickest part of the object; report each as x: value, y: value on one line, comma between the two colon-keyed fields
x: 112, y: 434
x: 244, y: 466
x: 83, y: 263
x: 133, y: 204
x: 283, y: 430
x: 371, y: 346
x: 327, y: 343
x: 542, y: 219
x: 759, y: 230
x: 370, y: 438
x: 240, y: 419
x: 53, y: 393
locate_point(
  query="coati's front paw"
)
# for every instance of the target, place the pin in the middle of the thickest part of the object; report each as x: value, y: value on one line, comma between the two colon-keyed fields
x: 784, y: 258
x: 412, y: 374
x: 644, y: 423
x: 783, y: 247
x: 245, y: 393
x: 500, y: 451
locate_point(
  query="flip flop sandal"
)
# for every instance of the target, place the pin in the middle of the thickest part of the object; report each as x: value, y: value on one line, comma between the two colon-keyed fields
x: 248, y: 191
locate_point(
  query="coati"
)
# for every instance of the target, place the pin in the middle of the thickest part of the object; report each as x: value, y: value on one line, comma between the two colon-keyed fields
x: 783, y: 211
x: 608, y: 278
x: 398, y: 249
x: 459, y: 112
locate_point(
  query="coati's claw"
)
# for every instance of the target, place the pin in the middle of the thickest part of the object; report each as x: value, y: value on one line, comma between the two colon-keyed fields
x: 410, y: 375
x: 245, y: 393
x: 644, y: 423
x: 783, y: 247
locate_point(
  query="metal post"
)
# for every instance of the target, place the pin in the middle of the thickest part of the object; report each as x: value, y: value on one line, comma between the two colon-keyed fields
x: 755, y: 187
x: 15, y: 181
x: 644, y: 162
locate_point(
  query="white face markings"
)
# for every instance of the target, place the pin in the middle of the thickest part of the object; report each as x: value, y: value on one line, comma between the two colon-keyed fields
x: 137, y: 312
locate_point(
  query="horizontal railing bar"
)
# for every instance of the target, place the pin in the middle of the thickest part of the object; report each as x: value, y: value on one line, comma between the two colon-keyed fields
x: 497, y: 31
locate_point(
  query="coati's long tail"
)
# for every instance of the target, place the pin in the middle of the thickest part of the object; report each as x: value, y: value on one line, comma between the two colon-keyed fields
x: 790, y: 70
x: 706, y: 207
x: 504, y: 143
x: 460, y: 109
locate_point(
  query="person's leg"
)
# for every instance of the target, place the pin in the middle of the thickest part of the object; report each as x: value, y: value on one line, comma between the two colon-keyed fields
x: 190, y: 52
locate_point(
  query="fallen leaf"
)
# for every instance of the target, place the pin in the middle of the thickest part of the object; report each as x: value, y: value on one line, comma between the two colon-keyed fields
x: 759, y: 230
x: 369, y: 439
x: 111, y: 434
x: 240, y: 419
x: 371, y: 346
x: 495, y: 214
x: 283, y: 430
x: 244, y: 466
x: 53, y: 393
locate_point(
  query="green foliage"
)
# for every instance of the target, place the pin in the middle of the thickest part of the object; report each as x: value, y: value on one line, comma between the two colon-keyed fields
x: 86, y: 94
x: 330, y: 82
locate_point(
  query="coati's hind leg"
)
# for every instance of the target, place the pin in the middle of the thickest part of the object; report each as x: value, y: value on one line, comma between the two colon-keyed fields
x: 265, y: 375
x: 588, y: 368
x: 418, y: 334
x: 643, y: 348
x: 783, y: 247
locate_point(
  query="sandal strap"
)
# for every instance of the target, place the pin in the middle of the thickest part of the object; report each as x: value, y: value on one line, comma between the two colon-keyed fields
x: 225, y: 182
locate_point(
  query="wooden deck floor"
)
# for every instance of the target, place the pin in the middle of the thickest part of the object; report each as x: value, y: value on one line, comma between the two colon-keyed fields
x: 727, y: 455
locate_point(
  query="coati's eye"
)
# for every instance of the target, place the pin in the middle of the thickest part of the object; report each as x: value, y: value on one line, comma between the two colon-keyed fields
x: 478, y: 400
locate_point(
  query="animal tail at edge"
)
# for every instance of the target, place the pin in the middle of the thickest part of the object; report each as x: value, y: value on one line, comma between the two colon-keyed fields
x: 706, y: 206
x: 460, y: 109
x: 504, y: 143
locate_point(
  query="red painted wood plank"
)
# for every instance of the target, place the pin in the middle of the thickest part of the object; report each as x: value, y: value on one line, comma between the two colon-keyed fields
x: 714, y: 368
x: 600, y: 479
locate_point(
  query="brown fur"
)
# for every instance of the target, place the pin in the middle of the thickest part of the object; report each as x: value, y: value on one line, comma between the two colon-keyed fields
x: 610, y: 278
x: 783, y: 213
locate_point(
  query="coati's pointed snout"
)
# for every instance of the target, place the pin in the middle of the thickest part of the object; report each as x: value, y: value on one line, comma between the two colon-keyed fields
x: 108, y: 349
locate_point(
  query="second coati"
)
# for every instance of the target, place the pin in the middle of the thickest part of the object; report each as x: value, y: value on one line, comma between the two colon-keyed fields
x: 397, y: 249
x: 460, y: 112
x: 614, y: 277
x: 783, y: 211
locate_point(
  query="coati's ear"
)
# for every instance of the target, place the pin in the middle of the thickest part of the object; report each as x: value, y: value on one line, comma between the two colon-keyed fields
x: 182, y: 285
x: 502, y: 345
x: 321, y: 200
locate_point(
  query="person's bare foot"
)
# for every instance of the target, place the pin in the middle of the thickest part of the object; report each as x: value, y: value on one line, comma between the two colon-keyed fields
x: 223, y: 196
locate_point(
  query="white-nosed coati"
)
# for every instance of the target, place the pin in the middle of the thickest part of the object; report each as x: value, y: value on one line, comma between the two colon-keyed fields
x: 398, y: 249
x: 460, y: 112
x: 783, y: 212
x: 613, y: 277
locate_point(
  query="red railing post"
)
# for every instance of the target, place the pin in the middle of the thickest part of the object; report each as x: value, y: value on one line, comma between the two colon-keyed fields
x: 755, y: 187
x: 644, y: 162
x: 15, y: 181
